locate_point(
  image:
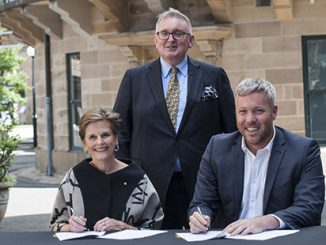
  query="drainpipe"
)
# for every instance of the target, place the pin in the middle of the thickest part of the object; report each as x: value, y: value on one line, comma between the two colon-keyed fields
x: 48, y: 103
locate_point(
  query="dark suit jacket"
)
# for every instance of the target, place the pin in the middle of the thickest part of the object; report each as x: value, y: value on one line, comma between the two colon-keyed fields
x: 147, y: 133
x: 294, y: 188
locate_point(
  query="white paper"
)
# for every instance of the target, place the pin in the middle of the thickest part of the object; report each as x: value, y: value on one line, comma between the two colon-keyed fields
x: 190, y: 237
x: 132, y: 234
x: 264, y: 235
x: 74, y: 235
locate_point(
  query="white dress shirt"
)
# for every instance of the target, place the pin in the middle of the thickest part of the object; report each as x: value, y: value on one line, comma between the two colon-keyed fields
x: 255, y: 170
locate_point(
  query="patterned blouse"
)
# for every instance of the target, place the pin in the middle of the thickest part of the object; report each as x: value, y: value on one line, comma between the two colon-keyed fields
x: 126, y: 195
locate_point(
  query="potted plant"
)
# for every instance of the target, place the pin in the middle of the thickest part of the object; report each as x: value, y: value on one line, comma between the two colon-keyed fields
x: 8, y: 144
x: 12, y: 87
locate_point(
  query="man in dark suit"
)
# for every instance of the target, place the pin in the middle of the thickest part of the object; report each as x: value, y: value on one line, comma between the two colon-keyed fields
x: 170, y: 146
x: 260, y: 178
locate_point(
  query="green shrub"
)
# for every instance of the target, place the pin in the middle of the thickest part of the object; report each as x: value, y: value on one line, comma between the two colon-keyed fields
x: 12, y: 87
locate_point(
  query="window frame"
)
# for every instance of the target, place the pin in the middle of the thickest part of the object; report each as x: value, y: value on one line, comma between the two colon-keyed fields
x: 71, y: 101
x: 306, y: 85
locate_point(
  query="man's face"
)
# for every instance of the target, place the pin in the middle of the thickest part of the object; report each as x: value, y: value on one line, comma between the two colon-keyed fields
x: 172, y: 50
x: 255, y: 115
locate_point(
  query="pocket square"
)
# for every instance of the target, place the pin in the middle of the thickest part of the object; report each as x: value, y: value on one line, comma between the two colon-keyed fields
x: 209, y: 93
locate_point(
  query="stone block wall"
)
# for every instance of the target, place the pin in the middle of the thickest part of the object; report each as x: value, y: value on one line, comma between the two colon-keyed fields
x: 266, y: 47
x: 260, y: 45
x: 102, y: 67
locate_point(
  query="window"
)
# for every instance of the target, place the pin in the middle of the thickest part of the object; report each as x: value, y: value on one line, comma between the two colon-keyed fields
x: 74, y: 99
x: 314, y: 76
x: 263, y: 3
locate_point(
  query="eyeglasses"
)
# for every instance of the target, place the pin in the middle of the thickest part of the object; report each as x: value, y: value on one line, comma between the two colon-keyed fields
x: 164, y: 35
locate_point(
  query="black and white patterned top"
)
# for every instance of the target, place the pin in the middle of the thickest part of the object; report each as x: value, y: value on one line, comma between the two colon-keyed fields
x: 126, y: 195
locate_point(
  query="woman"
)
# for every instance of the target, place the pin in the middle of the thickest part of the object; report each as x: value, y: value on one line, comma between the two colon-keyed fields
x: 102, y: 193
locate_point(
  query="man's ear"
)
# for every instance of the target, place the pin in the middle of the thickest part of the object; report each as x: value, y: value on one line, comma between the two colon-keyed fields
x: 191, y: 41
x: 275, y: 108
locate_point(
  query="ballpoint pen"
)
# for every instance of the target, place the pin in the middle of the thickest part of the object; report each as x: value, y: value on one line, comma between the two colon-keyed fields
x: 221, y: 234
x: 73, y: 211
x: 199, y: 210
x: 201, y: 214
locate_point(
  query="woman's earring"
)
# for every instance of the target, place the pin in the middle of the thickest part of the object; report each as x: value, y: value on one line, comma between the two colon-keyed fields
x: 116, y: 148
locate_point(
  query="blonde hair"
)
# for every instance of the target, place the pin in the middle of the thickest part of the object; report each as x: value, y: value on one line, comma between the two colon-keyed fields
x: 250, y: 85
x: 99, y: 114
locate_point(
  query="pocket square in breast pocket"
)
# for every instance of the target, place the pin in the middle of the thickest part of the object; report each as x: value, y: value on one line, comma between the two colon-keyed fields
x: 209, y: 93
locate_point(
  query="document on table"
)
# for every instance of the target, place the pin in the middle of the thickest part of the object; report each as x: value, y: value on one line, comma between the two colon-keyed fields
x: 190, y: 237
x: 219, y: 234
x: 264, y: 235
x: 119, y: 235
x: 75, y: 235
x: 132, y: 234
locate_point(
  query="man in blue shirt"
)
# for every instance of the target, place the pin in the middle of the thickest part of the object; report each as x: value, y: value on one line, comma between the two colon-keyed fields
x: 169, y: 138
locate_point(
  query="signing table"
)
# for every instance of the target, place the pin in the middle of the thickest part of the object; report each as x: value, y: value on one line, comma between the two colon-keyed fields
x: 307, y: 236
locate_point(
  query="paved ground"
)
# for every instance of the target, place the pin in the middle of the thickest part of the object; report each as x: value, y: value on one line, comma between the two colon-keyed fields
x: 28, y: 209
x: 31, y: 200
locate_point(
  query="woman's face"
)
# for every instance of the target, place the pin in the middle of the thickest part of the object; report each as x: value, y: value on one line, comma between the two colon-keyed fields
x: 99, y: 141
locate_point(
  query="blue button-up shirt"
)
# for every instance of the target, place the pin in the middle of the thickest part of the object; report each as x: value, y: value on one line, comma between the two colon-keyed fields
x: 183, y: 86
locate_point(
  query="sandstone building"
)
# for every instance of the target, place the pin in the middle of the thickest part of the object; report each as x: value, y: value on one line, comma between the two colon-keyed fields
x: 83, y: 48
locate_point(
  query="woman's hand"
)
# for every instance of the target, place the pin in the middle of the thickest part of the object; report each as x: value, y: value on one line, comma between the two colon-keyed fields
x: 108, y: 224
x: 77, y: 223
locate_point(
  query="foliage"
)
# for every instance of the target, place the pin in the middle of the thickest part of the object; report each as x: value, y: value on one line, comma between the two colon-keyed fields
x: 8, y: 144
x: 12, y: 81
x: 12, y: 87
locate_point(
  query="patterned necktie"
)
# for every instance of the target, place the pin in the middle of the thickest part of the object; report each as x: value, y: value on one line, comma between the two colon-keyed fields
x: 172, y: 98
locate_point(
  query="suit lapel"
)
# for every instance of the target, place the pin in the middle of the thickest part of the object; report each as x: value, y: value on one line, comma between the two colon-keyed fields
x: 156, y: 87
x: 273, y: 165
x: 238, y: 168
x: 194, y: 75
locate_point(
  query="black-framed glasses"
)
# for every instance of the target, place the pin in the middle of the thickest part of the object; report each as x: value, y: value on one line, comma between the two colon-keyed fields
x: 164, y: 35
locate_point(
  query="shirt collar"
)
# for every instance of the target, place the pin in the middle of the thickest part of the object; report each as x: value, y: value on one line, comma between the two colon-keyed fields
x: 182, y: 67
x: 267, y: 147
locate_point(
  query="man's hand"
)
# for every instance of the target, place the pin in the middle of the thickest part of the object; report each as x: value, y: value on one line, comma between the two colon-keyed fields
x: 253, y: 225
x: 199, y: 223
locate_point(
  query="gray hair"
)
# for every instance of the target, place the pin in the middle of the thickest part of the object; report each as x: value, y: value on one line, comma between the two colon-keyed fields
x: 173, y: 13
x: 250, y: 85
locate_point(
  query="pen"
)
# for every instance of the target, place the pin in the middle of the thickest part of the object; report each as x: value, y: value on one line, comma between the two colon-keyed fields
x: 199, y: 210
x: 73, y: 211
